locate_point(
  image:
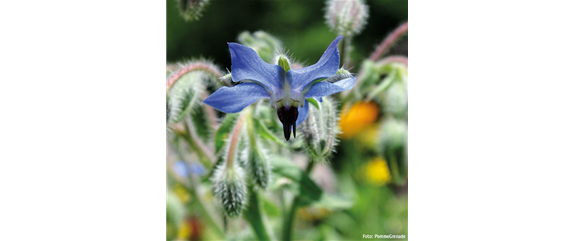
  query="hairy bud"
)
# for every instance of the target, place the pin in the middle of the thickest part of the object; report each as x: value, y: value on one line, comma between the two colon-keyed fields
x: 393, y: 135
x: 229, y: 188
x: 320, y: 130
x: 259, y: 167
x: 396, y: 99
x: 191, y: 9
x: 346, y: 17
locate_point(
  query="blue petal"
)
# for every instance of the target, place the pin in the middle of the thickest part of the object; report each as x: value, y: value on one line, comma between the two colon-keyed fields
x: 326, y: 67
x: 234, y: 99
x: 247, y: 65
x: 325, y: 88
x: 303, y: 111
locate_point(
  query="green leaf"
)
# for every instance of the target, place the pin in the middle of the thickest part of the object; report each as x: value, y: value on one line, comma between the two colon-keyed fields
x: 266, y: 133
x: 269, y: 206
x: 313, y: 102
x: 301, y: 185
x: 221, y: 135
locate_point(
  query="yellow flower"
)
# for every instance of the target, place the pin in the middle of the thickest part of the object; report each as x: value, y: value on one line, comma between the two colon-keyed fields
x: 182, y: 193
x: 357, y: 118
x: 184, y: 231
x: 376, y: 172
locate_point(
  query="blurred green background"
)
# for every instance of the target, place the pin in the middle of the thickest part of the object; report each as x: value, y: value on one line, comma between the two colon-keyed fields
x: 299, y: 24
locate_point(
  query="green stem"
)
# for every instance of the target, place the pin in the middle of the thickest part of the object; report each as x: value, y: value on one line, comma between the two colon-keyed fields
x: 253, y: 216
x: 290, y: 218
x: 394, y: 169
x: 253, y: 213
x: 384, y: 85
x: 389, y: 40
x: 203, y: 154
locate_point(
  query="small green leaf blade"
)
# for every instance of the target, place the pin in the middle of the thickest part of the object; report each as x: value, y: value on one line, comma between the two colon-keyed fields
x: 301, y: 184
x: 262, y: 131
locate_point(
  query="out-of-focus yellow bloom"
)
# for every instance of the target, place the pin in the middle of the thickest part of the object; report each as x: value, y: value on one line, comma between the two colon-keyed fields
x: 376, y: 172
x: 184, y: 232
x: 182, y: 193
x: 357, y: 118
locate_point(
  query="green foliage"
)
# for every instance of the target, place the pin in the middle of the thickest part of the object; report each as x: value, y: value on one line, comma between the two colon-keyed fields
x: 300, y: 183
x: 266, y: 133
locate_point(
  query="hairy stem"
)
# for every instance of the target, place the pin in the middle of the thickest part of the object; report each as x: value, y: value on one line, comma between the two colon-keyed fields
x: 210, y: 113
x: 191, y: 67
x: 253, y: 215
x: 393, y: 37
x: 204, y: 154
x: 393, y: 59
x: 234, y: 141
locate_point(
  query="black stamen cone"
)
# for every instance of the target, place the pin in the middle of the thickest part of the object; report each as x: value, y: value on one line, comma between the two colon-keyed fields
x: 288, y: 116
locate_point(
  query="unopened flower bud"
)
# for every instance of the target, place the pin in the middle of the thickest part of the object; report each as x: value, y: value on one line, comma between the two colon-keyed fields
x: 393, y: 135
x: 346, y: 17
x: 229, y: 188
x: 282, y: 61
x: 396, y: 99
x: 320, y: 130
x: 191, y: 9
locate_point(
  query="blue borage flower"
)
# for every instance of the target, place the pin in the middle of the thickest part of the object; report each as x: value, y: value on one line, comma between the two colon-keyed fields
x: 286, y: 90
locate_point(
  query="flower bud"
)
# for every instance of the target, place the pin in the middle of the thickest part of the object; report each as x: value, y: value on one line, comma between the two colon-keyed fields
x: 320, y: 130
x: 346, y: 17
x: 259, y: 167
x: 396, y: 100
x: 229, y: 188
x: 282, y: 61
x: 394, y: 135
x: 191, y: 10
